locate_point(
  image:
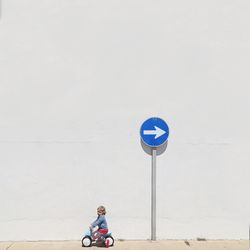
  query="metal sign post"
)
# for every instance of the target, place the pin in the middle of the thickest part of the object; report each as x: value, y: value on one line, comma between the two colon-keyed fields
x: 153, y: 196
x: 154, y: 134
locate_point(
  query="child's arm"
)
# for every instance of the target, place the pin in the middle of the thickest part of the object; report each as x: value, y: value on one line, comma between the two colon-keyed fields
x: 97, y: 222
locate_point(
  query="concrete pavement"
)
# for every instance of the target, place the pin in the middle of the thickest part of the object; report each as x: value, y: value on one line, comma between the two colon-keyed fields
x: 132, y: 245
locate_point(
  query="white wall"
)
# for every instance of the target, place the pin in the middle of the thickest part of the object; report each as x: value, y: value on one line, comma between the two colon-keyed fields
x: 78, y: 78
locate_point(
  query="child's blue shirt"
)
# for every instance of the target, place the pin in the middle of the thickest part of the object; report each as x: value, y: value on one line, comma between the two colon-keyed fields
x: 100, y: 222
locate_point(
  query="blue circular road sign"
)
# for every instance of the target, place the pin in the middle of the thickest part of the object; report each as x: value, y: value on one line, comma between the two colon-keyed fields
x: 154, y: 132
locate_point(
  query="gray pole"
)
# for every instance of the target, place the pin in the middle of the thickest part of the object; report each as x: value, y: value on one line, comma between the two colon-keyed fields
x: 153, y: 196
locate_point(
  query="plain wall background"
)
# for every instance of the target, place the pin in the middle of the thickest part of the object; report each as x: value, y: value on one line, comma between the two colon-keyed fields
x: 77, y: 80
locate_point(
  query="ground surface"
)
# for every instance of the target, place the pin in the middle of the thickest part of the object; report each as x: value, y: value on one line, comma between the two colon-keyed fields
x: 131, y: 245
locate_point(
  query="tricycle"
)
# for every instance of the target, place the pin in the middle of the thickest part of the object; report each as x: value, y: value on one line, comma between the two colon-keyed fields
x: 96, y: 238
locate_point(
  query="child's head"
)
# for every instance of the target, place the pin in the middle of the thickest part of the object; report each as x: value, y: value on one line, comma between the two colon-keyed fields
x: 101, y: 210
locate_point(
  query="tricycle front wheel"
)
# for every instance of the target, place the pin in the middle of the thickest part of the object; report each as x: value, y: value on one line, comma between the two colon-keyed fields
x: 86, y: 241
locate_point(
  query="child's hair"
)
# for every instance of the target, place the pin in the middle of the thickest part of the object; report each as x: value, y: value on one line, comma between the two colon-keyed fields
x: 101, y: 209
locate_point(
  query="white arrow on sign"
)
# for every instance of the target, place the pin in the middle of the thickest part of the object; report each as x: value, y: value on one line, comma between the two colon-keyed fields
x: 157, y: 132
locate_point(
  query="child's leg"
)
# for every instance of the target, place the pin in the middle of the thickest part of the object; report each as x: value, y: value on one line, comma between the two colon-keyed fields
x: 96, y: 235
x: 100, y: 235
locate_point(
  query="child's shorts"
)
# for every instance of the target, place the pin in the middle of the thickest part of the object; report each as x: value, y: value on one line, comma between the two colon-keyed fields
x: 103, y: 231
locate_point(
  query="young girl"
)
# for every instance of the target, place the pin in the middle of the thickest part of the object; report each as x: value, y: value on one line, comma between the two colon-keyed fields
x: 100, y: 222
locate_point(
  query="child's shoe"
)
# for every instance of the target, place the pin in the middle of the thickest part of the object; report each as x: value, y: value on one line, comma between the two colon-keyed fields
x: 107, y: 243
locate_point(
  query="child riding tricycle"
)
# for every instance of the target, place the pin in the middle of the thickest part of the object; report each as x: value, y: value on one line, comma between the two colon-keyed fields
x: 101, y: 236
